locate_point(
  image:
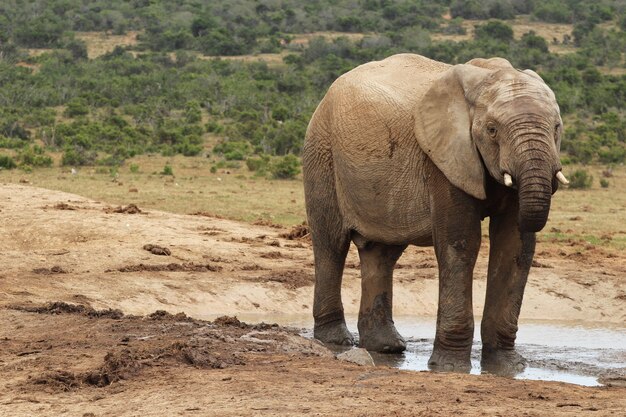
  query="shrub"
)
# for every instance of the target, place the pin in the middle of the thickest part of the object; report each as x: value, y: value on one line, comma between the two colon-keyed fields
x: 258, y: 164
x: 6, y: 162
x: 604, y: 183
x: 77, y: 156
x: 76, y: 107
x: 134, y: 168
x: 494, y: 30
x: 286, y: 167
x: 34, y: 156
x: 167, y: 170
x: 580, y: 179
x: 233, y: 150
x: 214, y: 127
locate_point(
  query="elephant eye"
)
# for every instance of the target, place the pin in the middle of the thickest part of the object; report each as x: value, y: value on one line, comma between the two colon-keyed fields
x: 556, y: 127
x: 492, y: 131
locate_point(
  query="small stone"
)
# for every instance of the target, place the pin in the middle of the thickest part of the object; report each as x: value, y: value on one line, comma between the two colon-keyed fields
x: 359, y: 356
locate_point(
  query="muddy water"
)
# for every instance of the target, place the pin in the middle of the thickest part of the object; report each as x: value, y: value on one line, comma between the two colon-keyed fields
x: 583, y: 354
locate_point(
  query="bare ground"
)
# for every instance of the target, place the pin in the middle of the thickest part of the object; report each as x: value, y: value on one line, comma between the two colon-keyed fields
x: 107, y: 347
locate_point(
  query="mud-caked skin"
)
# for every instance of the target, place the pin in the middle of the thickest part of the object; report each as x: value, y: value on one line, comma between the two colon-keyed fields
x: 410, y: 151
x: 333, y: 330
x: 376, y: 329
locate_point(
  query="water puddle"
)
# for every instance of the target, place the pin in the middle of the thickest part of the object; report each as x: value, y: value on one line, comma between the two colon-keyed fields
x: 556, y: 351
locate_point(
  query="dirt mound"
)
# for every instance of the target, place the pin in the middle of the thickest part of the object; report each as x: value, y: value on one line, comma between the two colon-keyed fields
x: 129, y: 209
x: 164, y: 315
x: 116, y: 366
x: 268, y: 223
x: 172, y: 267
x: 60, y: 307
x: 201, y: 356
x: 49, y: 271
x: 157, y: 250
x: 228, y: 321
x: 64, y: 206
x: 206, y: 214
x: 130, y: 345
x: 300, y: 231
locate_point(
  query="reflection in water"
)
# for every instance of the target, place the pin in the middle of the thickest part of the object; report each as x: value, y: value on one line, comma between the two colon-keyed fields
x: 566, y: 352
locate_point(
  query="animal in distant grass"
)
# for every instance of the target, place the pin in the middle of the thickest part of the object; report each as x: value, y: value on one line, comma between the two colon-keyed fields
x: 410, y: 151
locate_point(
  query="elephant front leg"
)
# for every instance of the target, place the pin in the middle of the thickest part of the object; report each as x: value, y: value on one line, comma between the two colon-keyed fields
x: 510, y: 258
x: 456, y: 235
x: 376, y: 329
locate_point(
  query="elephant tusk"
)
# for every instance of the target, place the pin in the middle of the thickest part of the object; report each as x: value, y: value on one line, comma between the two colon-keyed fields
x: 561, y: 178
x: 508, y: 181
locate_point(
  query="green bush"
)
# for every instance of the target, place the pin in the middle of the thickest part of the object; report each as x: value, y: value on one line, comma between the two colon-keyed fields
x: 214, y: 127
x: 76, y: 107
x: 167, y: 170
x: 286, y: 167
x: 6, y: 162
x: 580, y: 179
x: 77, y: 156
x: 258, y: 164
x: 34, y: 156
x: 233, y: 150
x: 134, y: 168
x: 604, y: 183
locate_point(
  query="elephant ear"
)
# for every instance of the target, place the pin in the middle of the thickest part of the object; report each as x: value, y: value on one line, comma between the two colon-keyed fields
x: 443, y: 127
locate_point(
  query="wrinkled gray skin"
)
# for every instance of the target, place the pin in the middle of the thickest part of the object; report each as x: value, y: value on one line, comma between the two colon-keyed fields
x: 410, y: 151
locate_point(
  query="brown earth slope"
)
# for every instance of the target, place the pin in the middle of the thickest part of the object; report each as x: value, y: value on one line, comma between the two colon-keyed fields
x: 65, y: 360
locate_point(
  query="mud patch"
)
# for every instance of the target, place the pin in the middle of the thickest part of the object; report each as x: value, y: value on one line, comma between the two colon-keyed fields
x: 49, y: 271
x: 129, y: 209
x: 157, y: 250
x: 132, y: 344
x: 63, y: 206
x: 253, y: 267
x: 201, y: 356
x: 537, y: 264
x: 206, y: 214
x: 164, y: 315
x: 291, y: 279
x: 268, y: 223
x: 60, y: 307
x: 300, y: 231
x: 272, y: 255
x: 172, y: 267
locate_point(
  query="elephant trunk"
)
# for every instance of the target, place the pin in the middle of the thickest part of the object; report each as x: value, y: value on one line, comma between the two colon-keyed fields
x: 535, y: 187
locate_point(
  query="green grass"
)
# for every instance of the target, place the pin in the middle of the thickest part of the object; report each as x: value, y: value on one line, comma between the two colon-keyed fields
x: 595, y: 216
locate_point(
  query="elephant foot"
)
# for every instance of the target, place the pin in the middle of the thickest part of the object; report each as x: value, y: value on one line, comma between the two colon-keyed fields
x: 444, y: 360
x: 335, y: 333
x: 502, y: 362
x: 383, y: 338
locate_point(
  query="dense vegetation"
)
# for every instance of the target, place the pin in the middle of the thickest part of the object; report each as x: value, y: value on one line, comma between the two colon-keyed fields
x: 164, y: 95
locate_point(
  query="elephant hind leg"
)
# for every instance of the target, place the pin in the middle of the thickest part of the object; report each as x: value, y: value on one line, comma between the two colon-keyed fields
x: 330, y: 255
x: 331, y: 241
x: 376, y: 328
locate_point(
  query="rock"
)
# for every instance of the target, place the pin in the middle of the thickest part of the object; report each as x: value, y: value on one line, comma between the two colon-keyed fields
x: 359, y: 356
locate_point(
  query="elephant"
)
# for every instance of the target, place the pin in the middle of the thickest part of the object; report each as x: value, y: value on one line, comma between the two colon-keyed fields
x: 411, y: 151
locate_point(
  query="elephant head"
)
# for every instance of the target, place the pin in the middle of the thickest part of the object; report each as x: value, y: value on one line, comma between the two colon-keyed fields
x: 487, y: 116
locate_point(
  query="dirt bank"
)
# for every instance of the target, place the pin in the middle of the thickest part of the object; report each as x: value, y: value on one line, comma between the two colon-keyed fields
x: 95, y: 359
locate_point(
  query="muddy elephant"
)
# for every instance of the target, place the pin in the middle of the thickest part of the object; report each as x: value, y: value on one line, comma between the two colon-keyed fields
x: 410, y: 151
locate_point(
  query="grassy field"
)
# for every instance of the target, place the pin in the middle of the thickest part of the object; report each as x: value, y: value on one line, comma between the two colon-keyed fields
x: 596, y: 216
